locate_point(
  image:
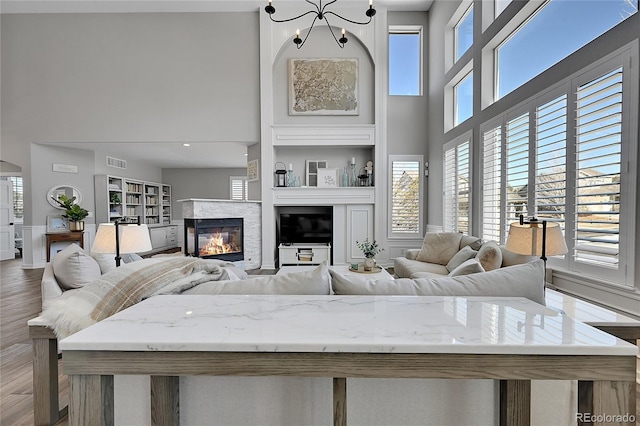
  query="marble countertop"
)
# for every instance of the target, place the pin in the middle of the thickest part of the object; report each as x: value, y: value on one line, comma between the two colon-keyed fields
x: 375, y: 324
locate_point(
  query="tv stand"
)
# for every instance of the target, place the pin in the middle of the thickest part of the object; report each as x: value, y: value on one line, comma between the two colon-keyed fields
x: 304, y: 254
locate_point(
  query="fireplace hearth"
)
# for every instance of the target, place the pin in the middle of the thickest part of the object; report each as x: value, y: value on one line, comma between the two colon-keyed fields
x: 215, y: 238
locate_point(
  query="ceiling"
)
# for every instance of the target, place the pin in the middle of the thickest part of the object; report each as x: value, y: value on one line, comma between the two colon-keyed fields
x: 174, y: 154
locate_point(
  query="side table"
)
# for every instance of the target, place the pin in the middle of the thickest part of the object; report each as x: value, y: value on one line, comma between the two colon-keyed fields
x: 56, y: 237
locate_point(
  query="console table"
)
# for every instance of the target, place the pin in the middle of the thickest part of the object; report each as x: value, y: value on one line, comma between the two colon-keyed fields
x: 56, y: 237
x: 398, y: 336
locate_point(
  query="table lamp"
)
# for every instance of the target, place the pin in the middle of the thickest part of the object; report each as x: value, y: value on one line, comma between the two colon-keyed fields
x: 130, y: 238
x: 536, y: 238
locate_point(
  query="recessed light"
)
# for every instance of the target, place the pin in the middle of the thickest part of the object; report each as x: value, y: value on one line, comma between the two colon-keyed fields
x: 246, y: 155
x: 186, y: 144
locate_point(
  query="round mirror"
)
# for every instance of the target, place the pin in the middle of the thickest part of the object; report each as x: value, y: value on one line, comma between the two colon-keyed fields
x: 68, y: 190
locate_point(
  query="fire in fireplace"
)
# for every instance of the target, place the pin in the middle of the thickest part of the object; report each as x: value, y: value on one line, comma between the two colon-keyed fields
x: 214, y: 238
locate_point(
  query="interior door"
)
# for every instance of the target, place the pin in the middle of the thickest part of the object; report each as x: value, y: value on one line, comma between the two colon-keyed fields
x: 7, y: 241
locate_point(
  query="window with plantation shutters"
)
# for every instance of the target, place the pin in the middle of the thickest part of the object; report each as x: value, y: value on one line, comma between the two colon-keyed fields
x: 563, y: 157
x: 406, y: 203
x: 598, y: 168
x: 492, y: 185
x: 239, y: 188
x: 457, y: 185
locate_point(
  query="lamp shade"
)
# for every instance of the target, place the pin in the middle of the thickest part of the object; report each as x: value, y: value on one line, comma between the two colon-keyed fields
x: 133, y: 239
x: 527, y: 239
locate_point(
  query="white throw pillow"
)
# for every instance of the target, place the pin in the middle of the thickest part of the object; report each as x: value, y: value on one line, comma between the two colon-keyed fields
x: 314, y: 282
x: 490, y: 256
x: 470, y: 266
x: 73, y: 267
x: 439, y: 247
x: 460, y: 257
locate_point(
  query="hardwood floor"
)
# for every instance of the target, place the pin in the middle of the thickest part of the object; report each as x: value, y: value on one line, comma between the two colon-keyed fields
x: 20, y: 300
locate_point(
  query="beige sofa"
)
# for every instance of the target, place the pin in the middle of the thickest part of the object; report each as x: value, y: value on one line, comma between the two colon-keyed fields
x: 453, y: 254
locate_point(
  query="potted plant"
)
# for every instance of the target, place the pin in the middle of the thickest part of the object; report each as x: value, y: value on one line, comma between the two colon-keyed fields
x: 73, y: 212
x: 369, y: 249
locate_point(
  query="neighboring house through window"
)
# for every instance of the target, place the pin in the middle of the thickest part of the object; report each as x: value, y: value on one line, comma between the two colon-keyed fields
x: 457, y: 185
x: 406, y: 174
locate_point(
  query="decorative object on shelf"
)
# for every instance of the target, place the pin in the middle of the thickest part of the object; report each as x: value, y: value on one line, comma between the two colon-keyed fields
x: 354, y: 179
x: 57, y: 223
x: 291, y: 180
x: 323, y: 86
x: 73, y: 212
x: 122, y: 238
x: 369, y: 170
x: 536, y: 238
x: 369, y: 249
x: 363, y: 179
x: 328, y: 178
x: 321, y: 13
x: 281, y: 173
x: 345, y: 178
x: 252, y: 170
x: 312, y: 167
x: 114, y: 198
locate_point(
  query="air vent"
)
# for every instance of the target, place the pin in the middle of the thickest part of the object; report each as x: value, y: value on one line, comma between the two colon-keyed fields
x: 116, y: 162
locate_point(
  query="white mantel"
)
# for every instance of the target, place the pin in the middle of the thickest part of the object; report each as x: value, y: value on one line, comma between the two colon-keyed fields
x: 250, y: 211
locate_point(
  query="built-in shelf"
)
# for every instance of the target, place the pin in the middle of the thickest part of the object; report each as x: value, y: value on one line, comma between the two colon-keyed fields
x: 310, y: 196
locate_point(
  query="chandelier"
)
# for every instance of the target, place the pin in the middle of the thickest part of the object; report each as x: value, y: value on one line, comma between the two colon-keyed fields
x: 321, y: 13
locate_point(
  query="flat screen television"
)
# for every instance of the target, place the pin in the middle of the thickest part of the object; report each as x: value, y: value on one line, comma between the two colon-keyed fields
x: 305, y: 228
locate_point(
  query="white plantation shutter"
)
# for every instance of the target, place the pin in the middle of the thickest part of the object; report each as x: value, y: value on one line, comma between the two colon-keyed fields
x: 598, y: 167
x: 517, y: 170
x: 239, y: 188
x: 405, y: 197
x: 492, y: 184
x: 457, y: 180
x: 551, y: 160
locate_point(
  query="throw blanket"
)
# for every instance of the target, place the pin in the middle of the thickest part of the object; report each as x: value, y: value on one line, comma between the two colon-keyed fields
x: 126, y: 286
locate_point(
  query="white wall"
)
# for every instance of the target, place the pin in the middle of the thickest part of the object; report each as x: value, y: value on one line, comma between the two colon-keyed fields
x: 198, y: 183
x: 126, y: 78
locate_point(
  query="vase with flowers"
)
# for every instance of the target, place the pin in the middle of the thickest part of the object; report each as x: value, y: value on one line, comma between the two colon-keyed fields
x: 369, y: 249
x: 73, y: 212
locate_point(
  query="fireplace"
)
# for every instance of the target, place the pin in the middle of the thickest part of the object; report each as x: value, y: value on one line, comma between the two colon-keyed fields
x: 214, y: 238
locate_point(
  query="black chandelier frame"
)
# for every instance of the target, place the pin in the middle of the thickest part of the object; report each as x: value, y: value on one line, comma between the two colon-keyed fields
x: 320, y: 13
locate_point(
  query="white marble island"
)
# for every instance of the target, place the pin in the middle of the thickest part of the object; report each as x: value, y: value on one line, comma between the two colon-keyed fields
x: 340, y: 337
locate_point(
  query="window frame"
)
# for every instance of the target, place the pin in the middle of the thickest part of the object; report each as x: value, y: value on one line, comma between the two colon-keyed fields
x: 421, y: 175
x: 410, y: 29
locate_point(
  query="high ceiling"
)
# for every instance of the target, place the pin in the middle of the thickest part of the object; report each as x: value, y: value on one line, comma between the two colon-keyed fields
x: 175, y: 155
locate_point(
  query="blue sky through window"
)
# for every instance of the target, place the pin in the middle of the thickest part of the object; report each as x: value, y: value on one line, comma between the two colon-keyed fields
x: 404, y: 64
x: 557, y: 30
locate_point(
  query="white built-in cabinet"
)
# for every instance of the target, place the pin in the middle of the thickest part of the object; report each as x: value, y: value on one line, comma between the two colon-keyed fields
x: 126, y: 200
x: 304, y: 254
x: 353, y: 206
